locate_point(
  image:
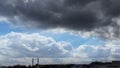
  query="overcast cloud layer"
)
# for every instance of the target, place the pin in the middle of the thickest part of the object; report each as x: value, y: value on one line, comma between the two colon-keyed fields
x: 17, y: 48
x: 99, y: 16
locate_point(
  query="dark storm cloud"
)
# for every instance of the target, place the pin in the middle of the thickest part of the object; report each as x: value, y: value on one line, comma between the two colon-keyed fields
x: 78, y: 2
x: 80, y: 15
x: 111, y: 7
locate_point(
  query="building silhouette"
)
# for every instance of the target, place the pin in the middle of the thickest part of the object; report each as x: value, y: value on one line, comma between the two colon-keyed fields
x: 113, y: 64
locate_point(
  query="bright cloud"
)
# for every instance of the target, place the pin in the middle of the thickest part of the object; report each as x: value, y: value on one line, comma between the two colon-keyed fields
x: 17, y: 46
x: 33, y: 45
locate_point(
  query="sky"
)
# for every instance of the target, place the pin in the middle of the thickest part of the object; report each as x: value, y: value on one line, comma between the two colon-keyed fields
x: 59, y: 31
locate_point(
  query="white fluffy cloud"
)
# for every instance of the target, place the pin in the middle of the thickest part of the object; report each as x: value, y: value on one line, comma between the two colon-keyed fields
x: 32, y: 45
x: 93, y: 52
x: 108, y: 52
x: 21, y: 47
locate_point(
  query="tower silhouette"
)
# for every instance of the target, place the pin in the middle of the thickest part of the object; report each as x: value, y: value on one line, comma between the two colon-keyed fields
x: 32, y: 61
x: 38, y: 61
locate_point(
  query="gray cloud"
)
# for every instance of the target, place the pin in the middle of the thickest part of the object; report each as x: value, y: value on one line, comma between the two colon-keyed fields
x: 78, y: 15
x: 79, y: 2
x: 111, y: 7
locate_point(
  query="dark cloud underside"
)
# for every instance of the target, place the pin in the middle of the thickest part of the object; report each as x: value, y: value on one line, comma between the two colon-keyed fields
x: 78, y: 15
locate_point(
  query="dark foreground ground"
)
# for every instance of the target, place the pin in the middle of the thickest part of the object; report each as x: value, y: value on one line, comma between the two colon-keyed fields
x: 113, y: 64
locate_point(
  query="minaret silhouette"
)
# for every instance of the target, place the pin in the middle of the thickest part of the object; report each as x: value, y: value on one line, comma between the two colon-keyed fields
x: 32, y: 61
x: 38, y: 61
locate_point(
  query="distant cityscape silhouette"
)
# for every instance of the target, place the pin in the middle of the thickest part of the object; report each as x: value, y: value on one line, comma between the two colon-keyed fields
x: 113, y: 64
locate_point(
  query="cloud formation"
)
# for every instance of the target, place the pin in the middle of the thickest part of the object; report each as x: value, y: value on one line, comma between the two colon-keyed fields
x: 78, y: 15
x: 33, y: 45
x: 21, y: 47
